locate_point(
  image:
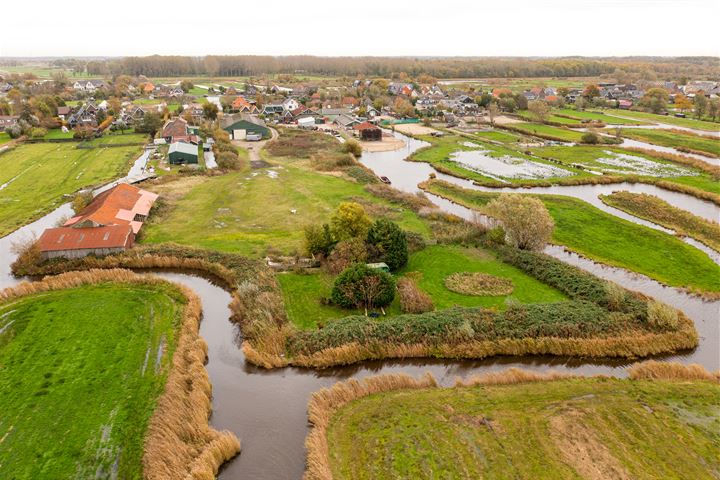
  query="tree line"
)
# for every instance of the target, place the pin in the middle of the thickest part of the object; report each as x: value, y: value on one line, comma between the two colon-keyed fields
x: 445, y: 67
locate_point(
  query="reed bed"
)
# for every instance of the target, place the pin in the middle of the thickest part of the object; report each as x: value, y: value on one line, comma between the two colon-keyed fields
x: 179, y: 443
x: 325, y: 402
x: 654, y: 370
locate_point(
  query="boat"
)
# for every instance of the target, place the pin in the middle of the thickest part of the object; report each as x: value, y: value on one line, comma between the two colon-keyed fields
x: 385, y: 180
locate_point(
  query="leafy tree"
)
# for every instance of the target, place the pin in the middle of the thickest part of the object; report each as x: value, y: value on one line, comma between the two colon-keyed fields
x: 655, y: 99
x: 539, y: 110
x: 527, y: 223
x: 403, y: 108
x: 591, y: 91
x: 508, y: 104
x: 120, y: 125
x: 387, y: 243
x: 345, y: 254
x: 683, y: 103
x: 701, y: 105
x: 590, y: 137
x: 210, y: 111
x: 319, y: 240
x: 350, y: 220
x: 360, y: 286
x: 186, y: 85
x: 714, y: 108
x: 81, y: 200
x: 151, y: 123
x: 353, y: 147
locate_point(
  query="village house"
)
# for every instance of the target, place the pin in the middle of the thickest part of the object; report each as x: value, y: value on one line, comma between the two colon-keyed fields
x: 8, y: 121
x: 63, y: 112
x: 346, y: 121
x: 177, y: 130
x: 350, y: 102
x: 88, y: 85
x: 85, y: 116
x: 242, y: 105
x: 107, y: 225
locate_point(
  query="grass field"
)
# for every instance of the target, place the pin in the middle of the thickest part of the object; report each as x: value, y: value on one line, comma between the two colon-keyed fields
x: 58, y: 133
x: 37, y: 176
x: 250, y: 212
x: 668, y: 119
x: 675, y: 139
x: 568, y: 429
x: 593, y: 115
x: 560, y: 134
x: 499, y: 136
x: 81, y: 371
x: 662, y: 213
x: 302, y: 293
x: 4, y: 138
x: 611, y: 240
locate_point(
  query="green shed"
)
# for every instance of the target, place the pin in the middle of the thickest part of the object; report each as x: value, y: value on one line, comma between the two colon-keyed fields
x: 238, y: 130
x: 181, y: 152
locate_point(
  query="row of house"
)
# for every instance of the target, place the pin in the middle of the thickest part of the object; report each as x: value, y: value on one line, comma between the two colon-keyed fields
x: 109, y: 224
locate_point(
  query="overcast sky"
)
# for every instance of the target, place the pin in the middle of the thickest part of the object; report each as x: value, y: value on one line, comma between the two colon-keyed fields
x: 365, y: 27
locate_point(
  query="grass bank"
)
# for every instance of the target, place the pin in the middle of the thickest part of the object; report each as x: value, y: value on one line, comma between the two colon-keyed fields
x: 667, y: 119
x: 662, y: 213
x: 515, y: 424
x: 84, y: 396
x: 610, y: 240
x: 36, y: 177
x: 678, y: 139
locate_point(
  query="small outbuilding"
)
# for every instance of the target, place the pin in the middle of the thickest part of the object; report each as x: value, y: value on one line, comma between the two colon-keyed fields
x: 182, y: 153
x: 368, y: 132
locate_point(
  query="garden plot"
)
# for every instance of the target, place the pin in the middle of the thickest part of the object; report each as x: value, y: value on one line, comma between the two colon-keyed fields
x: 625, y: 163
x: 506, y: 166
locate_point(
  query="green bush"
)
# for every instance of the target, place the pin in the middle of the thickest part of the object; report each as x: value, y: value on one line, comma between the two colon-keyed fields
x: 319, y: 240
x: 387, y: 243
x: 360, y: 286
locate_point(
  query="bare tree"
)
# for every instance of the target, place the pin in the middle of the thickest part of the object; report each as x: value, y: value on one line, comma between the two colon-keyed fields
x: 493, y: 111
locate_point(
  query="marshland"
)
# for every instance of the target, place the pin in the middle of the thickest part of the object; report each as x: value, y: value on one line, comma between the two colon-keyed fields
x: 308, y: 271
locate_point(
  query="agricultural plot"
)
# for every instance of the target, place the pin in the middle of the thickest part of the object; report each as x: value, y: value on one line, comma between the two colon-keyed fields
x: 675, y: 139
x: 562, y: 429
x: 499, y: 136
x: 81, y: 371
x: 596, y: 116
x: 667, y: 119
x: 548, y: 132
x: 432, y: 265
x: 34, y: 178
x: 611, y: 240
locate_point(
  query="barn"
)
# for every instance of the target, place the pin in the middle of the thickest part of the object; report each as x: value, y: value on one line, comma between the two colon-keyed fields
x: 368, y: 132
x: 181, y: 152
x: 240, y: 126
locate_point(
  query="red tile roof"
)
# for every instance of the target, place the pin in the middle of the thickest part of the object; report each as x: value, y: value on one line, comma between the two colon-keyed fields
x: 499, y: 91
x: 69, y: 238
x: 364, y: 126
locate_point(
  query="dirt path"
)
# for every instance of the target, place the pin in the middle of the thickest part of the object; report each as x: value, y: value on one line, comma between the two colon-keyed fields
x: 254, y: 148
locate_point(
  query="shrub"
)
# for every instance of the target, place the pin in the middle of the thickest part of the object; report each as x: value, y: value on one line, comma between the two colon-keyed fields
x: 363, y: 287
x: 15, y: 131
x: 38, y: 132
x: 350, y: 220
x: 480, y: 284
x: 662, y: 316
x: 590, y: 137
x: 345, y: 254
x: 388, y: 244
x: 353, y: 147
x: 412, y: 298
x: 318, y: 240
x: 228, y: 161
x: 527, y: 223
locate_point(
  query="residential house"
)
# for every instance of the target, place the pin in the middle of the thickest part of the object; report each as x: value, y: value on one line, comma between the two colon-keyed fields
x: 279, y: 89
x: 107, y: 225
x: 290, y: 104
x: 148, y: 88
x: 242, y: 105
x: 625, y: 104
x: 346, y: 121
x: 8, y: 121
x: 332, y: 113
x: 350, y: 102
x: 273, y: 109
x: 88, y: 85
x: 63, y: 112
x: 177, y: 130
x: 85, y: 116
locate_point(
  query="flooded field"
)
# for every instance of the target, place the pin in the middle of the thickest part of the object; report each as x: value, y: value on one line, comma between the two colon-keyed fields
x: 506, y: 166
x: 632, y: 164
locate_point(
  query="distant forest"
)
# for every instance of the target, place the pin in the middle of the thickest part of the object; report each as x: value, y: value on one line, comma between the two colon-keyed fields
x: 650, y: 68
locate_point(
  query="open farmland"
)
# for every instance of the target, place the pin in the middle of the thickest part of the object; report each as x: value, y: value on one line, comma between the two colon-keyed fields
x: 34, y: 178
x: 667, y: 119
x: 81, y: 371
x: 564, y: 429
x: 676, y: 139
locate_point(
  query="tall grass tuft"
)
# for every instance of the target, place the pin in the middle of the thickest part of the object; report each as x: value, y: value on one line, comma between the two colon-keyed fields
x: 654, y: 370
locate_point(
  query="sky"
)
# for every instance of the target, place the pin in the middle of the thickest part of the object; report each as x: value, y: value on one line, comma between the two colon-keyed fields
x: 367, y: 27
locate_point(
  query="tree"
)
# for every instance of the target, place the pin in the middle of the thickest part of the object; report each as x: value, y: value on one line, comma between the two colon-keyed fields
x: 115, y: 105
x: 228, y: 160
x: 387, y: 243
x: 539, y: 110
x: 591, y: 91
x: 81, y: 200
x: 590, y: 137
x: 120, y: 125
x: 580, y: 104
x: 150, y: 124
x: 701, y: 105
x: 403, y: 108
x: 527, y: 223
x: 714, y: 109
x: 319, y: 240
x: 210, y: 111
x: 507, y: 104
x: 186, y: 85
x: 360, y: 286
x: 683, y: 103
x: 492, y: 111
x: 350, y: 220
x: 655, y: 99
x: 353, y: 147
x: 345, y: 254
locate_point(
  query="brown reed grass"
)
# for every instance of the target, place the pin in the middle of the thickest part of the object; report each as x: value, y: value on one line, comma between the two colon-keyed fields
x: 654, y: 370
x: 179, y: 442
